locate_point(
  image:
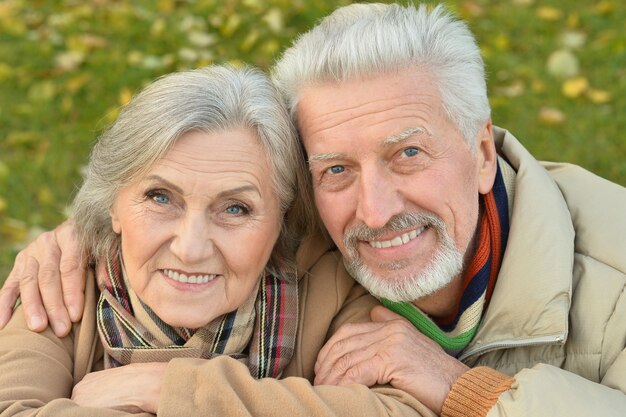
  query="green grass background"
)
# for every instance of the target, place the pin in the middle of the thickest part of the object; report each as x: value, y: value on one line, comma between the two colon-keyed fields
x: 66, y: 67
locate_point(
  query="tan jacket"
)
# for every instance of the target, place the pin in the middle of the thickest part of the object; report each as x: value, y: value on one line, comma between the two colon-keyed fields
x: 38, y: 371
x: 557, y: 318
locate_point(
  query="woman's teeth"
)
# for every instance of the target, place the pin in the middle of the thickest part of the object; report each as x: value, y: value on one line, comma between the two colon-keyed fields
x: 398, y: 240
x: 191, y: 279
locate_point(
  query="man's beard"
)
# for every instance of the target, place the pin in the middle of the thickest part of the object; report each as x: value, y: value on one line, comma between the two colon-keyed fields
x: 445, y: 264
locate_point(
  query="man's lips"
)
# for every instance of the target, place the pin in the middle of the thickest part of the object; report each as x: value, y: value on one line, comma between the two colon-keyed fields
x: 400, y: 240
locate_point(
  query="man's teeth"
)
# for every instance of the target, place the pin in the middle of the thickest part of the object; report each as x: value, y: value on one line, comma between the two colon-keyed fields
x: 398, y: 240
x: 191, y: 279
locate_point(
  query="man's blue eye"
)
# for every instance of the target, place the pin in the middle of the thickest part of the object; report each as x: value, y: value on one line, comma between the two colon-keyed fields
x: 336, y: 169
x: 410, y: 151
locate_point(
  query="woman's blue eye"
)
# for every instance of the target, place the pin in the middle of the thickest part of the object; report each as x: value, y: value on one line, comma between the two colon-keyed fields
x: 336, y: 169
x: 236, y: 210
x: 410, y: 151
x: 161, y: 198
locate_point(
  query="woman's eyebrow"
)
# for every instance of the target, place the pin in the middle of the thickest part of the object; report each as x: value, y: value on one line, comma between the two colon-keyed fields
x: 157, y: 178
x: 239, y: 190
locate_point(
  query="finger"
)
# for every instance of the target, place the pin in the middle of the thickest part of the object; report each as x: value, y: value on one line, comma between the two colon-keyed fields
x: 8, y: 297
x: 382, y: 314
x: 73, y: 266
x: 346, y: 331
x: 368, y: 372
x: 339, y: 368
x: 342, y: 354
x: 31, y: 299
x: 50, y: 285
x: 11, y: 289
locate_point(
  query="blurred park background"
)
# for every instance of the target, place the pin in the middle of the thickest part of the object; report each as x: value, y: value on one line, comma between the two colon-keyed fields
x: 556, y: 68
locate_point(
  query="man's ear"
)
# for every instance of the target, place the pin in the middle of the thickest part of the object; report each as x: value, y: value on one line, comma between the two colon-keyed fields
x: 486, y: 158
x: 115, y: 221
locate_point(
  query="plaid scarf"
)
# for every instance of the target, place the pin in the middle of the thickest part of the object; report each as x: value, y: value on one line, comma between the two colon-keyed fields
x: 454, y: 333
x: 260, y: 333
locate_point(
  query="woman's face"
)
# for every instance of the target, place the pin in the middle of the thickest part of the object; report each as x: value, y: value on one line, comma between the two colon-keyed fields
x: 199, y: 227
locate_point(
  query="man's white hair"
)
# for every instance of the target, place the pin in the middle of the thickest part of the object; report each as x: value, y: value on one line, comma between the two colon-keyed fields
x: 362, y: 40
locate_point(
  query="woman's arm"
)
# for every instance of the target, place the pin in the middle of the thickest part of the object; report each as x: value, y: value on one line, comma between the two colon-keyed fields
x: 49, y: 276
x: 38, y: 372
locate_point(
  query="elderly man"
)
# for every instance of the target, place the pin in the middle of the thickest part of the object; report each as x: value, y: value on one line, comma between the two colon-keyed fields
x: 506, y: 275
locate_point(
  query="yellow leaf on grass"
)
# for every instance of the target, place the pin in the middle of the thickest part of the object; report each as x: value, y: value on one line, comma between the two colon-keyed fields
x: 574, y: 87
x: 502, y: 42
x: 76, y: 83
x: 538, y: 86
x: 45, y: 196
x: 165, y: 6
x: 232, y: 24
x: 125, y: 96
x: 274, y: 19
x: 605, y: 7
x: 14, y: 230
x: 551, y: 116
x: 549, y: 13
x: 563, y: 64
x: 3, y: 205
x: 599, y: 96
x: 4, y: 170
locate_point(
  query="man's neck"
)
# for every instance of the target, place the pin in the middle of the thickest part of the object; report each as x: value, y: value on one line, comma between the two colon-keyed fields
x: 443, y: 302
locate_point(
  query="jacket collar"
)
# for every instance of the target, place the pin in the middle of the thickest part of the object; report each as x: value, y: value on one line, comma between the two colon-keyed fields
x: 531, y: 299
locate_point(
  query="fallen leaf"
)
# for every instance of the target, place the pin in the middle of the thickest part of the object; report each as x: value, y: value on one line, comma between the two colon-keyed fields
x: 232, y: 24
x: 134, y: 58
x: 549, y: 13
x: 538, y: 86
x: 551, y: 116
x: 158, y: 27
x: 188, y: 54
x: 512, y: 90
x: 42, y: 92
x: 4, y: 171
x: 563, y: 64
x: 574, y: 87
x: 605, y: 7
x: 599, y: 96
x: 124, y: 96
x: 45, y: 196
x: 274, y: 19
x: 69, y: 60
x: 201, y: 39
x: 573, y: 39
x: 14, y: 230
x: 21, y: 138
x: 502, y: 42
x: 5, y: 71
x: 76, y: 83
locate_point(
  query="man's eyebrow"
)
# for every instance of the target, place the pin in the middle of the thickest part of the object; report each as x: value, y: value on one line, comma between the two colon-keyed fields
x: 418, y: 130
x: 326, y: 157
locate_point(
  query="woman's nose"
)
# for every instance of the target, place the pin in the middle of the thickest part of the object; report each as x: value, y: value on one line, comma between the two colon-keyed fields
x: 192, y: 243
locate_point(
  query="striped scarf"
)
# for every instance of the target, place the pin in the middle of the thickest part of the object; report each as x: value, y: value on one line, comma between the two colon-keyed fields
x: 454, y: 333
x: 260, y: 333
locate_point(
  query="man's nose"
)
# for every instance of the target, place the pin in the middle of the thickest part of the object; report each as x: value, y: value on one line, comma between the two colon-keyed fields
x: 378, y: 199
x: 192, y: 242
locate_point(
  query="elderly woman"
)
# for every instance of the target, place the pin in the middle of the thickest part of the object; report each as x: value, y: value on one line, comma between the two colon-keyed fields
x: 189, y: 210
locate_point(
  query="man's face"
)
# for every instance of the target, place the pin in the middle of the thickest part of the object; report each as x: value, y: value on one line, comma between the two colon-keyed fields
x: 395, y: 183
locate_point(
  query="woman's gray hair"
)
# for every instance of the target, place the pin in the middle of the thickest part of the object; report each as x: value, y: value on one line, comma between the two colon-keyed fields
x: 370, y: 39
x: 211, y: 99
